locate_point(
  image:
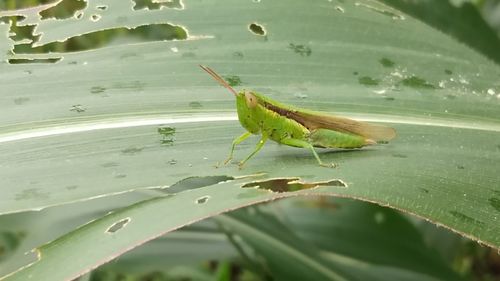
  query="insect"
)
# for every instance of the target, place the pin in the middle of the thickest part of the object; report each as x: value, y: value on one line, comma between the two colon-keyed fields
x: 298, y: 127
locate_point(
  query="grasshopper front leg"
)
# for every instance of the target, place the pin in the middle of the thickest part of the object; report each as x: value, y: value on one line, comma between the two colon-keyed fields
x: 305, y: 144
x: 236, y: 141
x: 259, y: 145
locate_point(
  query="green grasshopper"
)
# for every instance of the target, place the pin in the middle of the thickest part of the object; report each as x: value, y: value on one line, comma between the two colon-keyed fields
x: 297, y: 127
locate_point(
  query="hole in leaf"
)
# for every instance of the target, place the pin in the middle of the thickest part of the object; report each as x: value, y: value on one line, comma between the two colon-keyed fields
x: 202, y: 200
x: 64, y: 10
x: 157, y: 4
x: 291, y: 184
x: 102, y: 7
x: 95, y: 17
x: 102, y: 38
x: 10, y: 19
x: 118, y: 225
x: 25, y: 61
x: 19, y: 33
x: 22, y: 36
x: 257, y: 29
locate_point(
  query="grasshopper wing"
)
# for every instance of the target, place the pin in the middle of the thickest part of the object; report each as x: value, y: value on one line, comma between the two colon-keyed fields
x: 318, y: 120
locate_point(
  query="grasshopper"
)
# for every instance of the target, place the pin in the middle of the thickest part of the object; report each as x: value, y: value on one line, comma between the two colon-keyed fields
x: 298, y: 127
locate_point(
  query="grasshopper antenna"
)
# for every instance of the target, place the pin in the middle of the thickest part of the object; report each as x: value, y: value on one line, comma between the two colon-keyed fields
x: 219, y: 79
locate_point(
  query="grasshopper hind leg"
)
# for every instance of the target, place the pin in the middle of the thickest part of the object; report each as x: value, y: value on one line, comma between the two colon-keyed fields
x: 305, y: 144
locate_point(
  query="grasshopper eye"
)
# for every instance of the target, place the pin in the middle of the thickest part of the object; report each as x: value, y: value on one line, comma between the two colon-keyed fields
x: 251, y: 100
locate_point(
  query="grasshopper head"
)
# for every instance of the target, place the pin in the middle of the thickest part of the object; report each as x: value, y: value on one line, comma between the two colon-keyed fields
x: 250, y: 99
x: 245, y: 104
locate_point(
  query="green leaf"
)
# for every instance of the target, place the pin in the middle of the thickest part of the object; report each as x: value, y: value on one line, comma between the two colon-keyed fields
x: 132, y: 226
x: 101, y: 122
x: 28, y: 230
